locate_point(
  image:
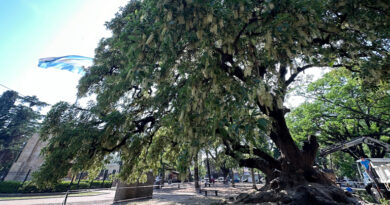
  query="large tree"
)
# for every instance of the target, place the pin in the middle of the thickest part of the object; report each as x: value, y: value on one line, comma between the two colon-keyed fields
x: 19, y: 119
x: 202, y: 69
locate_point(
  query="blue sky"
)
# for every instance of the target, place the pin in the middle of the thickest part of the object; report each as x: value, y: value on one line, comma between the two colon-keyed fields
x: 33, y: 29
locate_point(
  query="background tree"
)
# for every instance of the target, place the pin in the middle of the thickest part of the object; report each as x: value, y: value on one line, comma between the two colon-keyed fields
x: 344, y: 165
x: 341, y: 107
x: 19, y: 120
x: 215, y: 68
x: 222, y: 162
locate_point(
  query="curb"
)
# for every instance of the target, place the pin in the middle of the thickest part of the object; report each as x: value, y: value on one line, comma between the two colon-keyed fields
x: 51, y: 193
x: 45, y: 196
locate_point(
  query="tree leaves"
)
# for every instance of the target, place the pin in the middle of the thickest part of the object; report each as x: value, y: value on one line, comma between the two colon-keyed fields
x: 201, y: 72
x: 19, y: 120
x: 343, y: 109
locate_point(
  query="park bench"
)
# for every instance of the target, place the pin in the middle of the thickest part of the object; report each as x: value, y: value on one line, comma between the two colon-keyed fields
x: 208, y: 190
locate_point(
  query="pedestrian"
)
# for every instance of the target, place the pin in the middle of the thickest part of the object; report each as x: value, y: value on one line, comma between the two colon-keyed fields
x: 366, y: 164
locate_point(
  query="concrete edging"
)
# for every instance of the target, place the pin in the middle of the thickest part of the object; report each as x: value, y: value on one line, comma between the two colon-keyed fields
x: 50, y: 193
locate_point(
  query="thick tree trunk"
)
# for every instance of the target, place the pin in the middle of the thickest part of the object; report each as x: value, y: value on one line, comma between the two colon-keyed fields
x: 282, y: 138
x: 296, y: 164
x: 300, y: 184
x: 196, y: 172
x: 291, y: 177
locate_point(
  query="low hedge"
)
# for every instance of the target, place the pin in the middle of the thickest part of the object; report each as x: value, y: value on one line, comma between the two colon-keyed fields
x: 28, y: 187
x: 98, y: 184
x: 9, y: 186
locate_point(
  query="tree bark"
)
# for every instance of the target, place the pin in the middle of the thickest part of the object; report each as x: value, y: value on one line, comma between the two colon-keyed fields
x: 232, y: 177
x: 196, y: 172
x: 162, y: 174
x: 295, y: 163
x: 282, y: 138
x: 189, y: 175
x: 253, y: 179
x: 263, y: 161
x: 294, y: 167
x: 225, y: 172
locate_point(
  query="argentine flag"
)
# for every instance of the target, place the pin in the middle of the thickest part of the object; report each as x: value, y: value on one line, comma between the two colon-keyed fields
x: 72, y: 63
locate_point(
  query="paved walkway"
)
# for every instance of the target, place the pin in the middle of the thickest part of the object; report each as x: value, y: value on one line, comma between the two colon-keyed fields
x: 169, y: 195
x: 106, y: 197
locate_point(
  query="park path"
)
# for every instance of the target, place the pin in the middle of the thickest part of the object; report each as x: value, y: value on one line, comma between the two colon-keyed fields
x: 169, y: 195
x: 106, y: 197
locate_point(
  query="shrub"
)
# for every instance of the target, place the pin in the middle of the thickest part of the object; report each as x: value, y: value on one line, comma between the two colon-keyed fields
x: 82, y: 185
x: 98, y: 184
x: 9, y: 186
x: 30, y: 188
x: 61, y: 187
x: 107, y: 184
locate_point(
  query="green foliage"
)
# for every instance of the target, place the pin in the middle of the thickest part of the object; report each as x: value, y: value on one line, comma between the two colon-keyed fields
x: 384, y: 201
x: 19, y: 119
x: 365, y: 196
x: 344, y: 165
x: 9, y: 186
x: 341, y: 108
x: 95, y: 170
x: 177, y: 76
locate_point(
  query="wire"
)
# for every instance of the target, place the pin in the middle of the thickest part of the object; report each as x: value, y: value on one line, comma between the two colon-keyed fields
x: 11, y: 89
x: 6, y: 87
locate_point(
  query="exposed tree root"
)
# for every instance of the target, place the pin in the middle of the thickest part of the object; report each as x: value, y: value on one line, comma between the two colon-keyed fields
x: 310, y: 193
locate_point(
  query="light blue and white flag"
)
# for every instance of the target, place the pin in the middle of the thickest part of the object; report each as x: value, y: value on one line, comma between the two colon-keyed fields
x: 73, y: 63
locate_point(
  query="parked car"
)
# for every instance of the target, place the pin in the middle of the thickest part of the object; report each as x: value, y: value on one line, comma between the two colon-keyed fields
x: 236, y: 180
x: 158, y: 181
